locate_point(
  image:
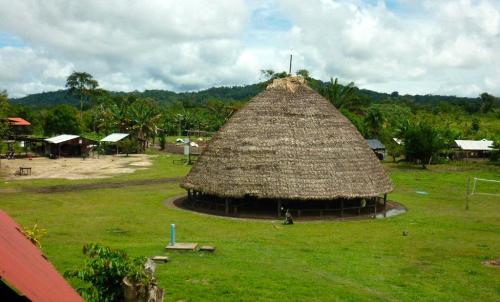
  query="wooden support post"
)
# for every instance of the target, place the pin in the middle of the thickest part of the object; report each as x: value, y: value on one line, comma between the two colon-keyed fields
x: 341, y: 208
x: 226, y: 210
x: 467, y: 193
x: 279, y: 208
x: 375, y: 207
x: 385, y: 205
x: 359, y: 206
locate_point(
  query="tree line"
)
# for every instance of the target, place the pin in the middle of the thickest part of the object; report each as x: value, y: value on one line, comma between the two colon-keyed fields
x: 428, y: 126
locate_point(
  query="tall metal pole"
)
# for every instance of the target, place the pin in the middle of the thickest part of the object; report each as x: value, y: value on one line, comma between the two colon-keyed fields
x: 290, y: 69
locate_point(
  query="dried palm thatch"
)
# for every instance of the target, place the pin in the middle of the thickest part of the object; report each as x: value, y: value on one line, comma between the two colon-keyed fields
x: 288, y: 142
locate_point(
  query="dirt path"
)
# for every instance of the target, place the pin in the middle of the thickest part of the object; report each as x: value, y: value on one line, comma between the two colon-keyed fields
x: 105, y: 185
x: 105, y: 166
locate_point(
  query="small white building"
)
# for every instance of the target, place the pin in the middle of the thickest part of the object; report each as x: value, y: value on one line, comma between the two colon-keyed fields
x: 474, y: 148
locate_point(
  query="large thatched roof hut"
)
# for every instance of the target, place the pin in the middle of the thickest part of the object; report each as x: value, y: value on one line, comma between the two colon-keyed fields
x: 288, y: 143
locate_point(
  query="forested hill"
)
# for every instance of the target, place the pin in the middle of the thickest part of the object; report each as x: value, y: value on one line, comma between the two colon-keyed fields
x: 235, y: 93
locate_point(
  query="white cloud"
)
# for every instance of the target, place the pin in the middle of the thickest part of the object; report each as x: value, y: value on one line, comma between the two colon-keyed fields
x: 24, y: 71
x: 437, y: 47
x: 446, y: 46
x: 126, y: 45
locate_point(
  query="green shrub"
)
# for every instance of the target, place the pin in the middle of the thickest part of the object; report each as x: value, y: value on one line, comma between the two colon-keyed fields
x: 128, y: 146
x: 104, y: 271
x: 34, y: 234
x: 495, y: 154
x: 163, y: 141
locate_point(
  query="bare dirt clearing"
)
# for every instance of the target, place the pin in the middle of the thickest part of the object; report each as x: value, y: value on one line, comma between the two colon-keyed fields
x: 76, y: 168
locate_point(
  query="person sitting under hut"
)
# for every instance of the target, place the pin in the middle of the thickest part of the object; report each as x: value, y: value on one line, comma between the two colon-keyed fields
x: 288, y: 217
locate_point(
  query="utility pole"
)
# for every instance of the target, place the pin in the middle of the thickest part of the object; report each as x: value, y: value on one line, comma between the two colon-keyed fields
x: 290, y: 69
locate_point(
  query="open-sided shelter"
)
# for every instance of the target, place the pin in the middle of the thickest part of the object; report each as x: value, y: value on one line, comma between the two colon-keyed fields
x: 288, y: 147
x: 113, y: 139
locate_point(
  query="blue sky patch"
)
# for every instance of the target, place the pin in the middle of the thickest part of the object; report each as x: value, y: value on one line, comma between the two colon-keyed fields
x: 9, y: 40
x: 269, y: 19
x: 265, y: 22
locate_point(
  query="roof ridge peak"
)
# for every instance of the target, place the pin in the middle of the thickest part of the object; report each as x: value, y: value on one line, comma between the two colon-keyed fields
x: 289, y: 83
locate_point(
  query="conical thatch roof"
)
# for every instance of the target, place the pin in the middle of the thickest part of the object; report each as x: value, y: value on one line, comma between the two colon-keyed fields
x: 288, y: 142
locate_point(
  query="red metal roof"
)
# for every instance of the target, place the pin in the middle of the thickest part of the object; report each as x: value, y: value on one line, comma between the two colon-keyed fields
x: 23, y: 266
x: 17, y: 121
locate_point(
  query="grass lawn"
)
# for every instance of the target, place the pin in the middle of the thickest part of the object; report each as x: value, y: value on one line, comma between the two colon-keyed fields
x: 370, y: 260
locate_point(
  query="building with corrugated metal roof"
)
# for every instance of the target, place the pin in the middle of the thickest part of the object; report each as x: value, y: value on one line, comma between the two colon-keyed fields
x: 25, y: 273
x: 68, y: 145
x: 473, y: 148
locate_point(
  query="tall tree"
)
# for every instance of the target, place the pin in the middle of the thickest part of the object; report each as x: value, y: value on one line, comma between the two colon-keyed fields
x: 4, y: 124
x: 422, y: 141
x: 487, y: 102
x: 374, y: 121
x: 82, y: 85
x: 270, y: 74
x: 475, y: 125
x: 144, y: 116
x: 4, y: 110
x: 120, y: 112
x: 303, y: 73
x: 62, y: 119
x: 339, y: 95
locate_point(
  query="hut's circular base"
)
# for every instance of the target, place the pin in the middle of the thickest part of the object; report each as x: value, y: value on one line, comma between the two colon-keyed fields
x: 392, y: 208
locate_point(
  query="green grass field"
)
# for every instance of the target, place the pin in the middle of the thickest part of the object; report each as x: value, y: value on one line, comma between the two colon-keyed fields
x: 368, y: 260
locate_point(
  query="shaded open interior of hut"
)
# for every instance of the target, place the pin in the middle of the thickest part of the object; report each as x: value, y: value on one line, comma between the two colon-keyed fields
x: 272, y: 208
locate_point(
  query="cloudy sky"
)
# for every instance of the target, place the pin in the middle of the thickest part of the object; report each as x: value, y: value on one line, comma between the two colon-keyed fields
x: 411, y: 46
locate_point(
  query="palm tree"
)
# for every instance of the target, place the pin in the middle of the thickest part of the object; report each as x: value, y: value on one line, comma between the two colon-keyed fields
x: 374, y: 120
x: 144, y: 117
x: 339, y: 95
x: 120, y: 115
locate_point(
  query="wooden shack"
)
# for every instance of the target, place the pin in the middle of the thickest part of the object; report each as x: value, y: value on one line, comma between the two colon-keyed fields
x: 377, y: 147
x: 68, y: 145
